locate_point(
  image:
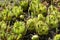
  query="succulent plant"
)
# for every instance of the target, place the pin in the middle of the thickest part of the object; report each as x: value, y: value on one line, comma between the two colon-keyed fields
x: 42, y: 28
x: 52, y: 10
x: 37, y: 8
x: 36, y: 16
x: 56, y: 37
x: 17, y: 10
x: 4, y: 14
x: 34, y: 5
x: 58, y: 16
x: 35, y: 37
x: 31, y: 24
x: 2, y: 34
x: 19, y: 27
x: 3, y: 25
x: 33, y: 14
x: 10, y: 15
x: 24, y: 5
x: 52, y: 21
x: 19, y: 37
x: 10, y: 37
x: 42, y: 8
x: 41, y: 17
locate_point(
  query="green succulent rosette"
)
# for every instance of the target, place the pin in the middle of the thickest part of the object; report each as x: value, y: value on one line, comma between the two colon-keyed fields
x: 41, y: 17
x: 19, y: 28
x: 17, y: 10
x: 52, y: 21
x: 42, y: 28
x: 31, y: 24
x: 52, y: 10
x: 56, y: 37
x: 24, y: 5
x: 3, y: 26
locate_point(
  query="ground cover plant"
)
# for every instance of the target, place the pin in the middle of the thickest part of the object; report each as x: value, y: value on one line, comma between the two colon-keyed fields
x: 29, y: 19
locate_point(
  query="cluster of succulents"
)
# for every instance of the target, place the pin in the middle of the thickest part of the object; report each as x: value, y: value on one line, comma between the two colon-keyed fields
x: 21, y: 18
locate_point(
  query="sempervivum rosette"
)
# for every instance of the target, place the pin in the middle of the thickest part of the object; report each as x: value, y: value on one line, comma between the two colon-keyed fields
x: 17, y: 10
x: 52, y: 21
x: 31, y: 24
x: 42, y: 28
x: 19, y: 27
x: 56, y: 37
